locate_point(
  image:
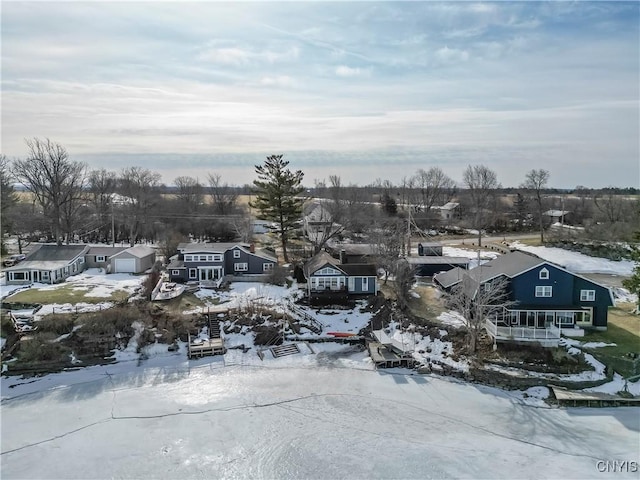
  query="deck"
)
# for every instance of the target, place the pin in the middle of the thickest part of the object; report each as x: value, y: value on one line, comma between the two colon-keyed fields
x: 212, y: 346
x: 572, y: 398
x: 546, y: 337
x: 384, y: 358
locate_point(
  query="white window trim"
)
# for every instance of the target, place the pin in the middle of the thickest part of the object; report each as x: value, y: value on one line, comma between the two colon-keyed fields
x: 241, y: 267
x: 544, y: 291
x: 267, y: 267
x: 193, y: 273
x: 101, y: 258
x: 364, y: 284
x: 544, y: 274
x: 587, y: 295
x: 236, y: 253
x: 175, y: 272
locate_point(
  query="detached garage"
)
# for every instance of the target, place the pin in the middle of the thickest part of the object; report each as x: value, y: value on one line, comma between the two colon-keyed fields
x: 136, y: 259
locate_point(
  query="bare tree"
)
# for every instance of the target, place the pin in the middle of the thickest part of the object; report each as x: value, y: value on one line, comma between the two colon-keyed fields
x: 223, y: 197
x: 138, y: 187
x: 476, y: 302
x: 481, y: 183
x: 433, y: 186
x: 102, y: 185
x: 611, y: 205
x: 535, y: 181
x: 8, y: 200
x: 404, y: 278
x: 387, y: 236
x: 54, y: 180
x: 189, y: 193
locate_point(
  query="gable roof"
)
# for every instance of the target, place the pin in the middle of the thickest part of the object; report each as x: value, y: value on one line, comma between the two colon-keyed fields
x: 359, y: 269
x: 319, y: 260
x: 50, y: 252
x: 191, y: 247
x: 510, y: 265
x: 104, y: 250
x: 139, y: 251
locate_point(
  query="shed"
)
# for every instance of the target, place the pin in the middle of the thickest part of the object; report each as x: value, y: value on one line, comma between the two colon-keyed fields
x: 137, y: 259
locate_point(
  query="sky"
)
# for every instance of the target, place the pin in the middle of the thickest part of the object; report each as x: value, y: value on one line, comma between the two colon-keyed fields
x: 361, y: 90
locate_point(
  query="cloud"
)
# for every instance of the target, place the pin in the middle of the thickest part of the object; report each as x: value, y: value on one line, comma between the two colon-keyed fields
x: 346, y: 71
x: 278, y: 81
x: 451, y: 55
x: 237, y: 56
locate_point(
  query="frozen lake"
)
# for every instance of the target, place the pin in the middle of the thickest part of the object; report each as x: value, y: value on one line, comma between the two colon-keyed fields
x: 302, y: 422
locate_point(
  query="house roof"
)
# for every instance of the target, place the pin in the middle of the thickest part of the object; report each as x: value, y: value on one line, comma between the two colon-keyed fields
x: 139, y: 251
x: 510, y: 265
x: 316, y: 212
x: 437, y: 260
x: 354, y: 248
x: 50, y: 257
x: 449, y: 206
x: 264, y: 253
x: 104, y: 250
x: 319, y: 260
x: 190, y: 247
x: 50, y: 252
x: 359, y: 269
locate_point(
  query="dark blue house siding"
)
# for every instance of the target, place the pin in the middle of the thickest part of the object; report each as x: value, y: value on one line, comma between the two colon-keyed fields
x: 358, y: 285
x: 600, y: 305
x: 524, y: 287
x: 254, y: 262
x: 566, y: 289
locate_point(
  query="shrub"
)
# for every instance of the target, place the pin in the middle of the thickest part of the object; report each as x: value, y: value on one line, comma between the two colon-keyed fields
x: 40, y: 349
x: 56, y: 323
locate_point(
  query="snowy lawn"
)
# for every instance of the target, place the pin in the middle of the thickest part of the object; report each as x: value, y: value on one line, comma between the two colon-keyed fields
x: 93, y: 286
x: 577, y: 262
x: 205, y: 420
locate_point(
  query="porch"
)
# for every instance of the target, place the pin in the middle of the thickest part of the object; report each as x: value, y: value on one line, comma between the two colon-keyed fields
x: 547, y: 336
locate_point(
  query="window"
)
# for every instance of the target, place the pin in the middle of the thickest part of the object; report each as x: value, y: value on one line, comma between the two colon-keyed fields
x: 217, y: 258
x: 44, y: 275
x: 328, y: 271
x: 203, y: 258
x: 267, y: 267
x: 81, y: 260
x: 544, y: 291
x: 18, y: 275
x: 175, y: 272
x: 544, y: 274
x: 101, y: 258
x: 365, y: 284
x: 236, y: 254
x: 564, y: 318
x: 188, y: 258
x: 241, y: 267
x: 193, y: 273
x: 587, y: 295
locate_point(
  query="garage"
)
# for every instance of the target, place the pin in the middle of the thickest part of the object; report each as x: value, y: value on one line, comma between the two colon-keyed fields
x: 125, y: 265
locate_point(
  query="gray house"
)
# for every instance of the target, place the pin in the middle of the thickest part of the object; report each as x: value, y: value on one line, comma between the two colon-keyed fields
x: 136, y: 259
x: 211, y: 262
x: 49, y: 263
x: 100, y: 257
x: 329, y: 280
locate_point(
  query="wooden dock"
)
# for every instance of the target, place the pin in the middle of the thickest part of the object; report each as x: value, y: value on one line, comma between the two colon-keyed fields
x: 577, y: 398
x: 202, y: 348
x: 385, y: 358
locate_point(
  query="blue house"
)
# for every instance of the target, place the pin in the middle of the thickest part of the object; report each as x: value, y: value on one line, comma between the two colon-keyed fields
x: 547, y: 300
x: 328, y: 280
x: 210, y: 263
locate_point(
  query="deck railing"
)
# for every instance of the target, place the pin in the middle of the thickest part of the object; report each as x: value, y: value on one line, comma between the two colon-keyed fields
x: 522, y: 333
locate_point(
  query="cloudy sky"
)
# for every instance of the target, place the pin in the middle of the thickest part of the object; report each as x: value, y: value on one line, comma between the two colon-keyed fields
x: 362, y: 90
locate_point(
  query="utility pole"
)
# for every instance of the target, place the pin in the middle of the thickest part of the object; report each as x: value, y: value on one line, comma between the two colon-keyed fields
x: 113, y: 227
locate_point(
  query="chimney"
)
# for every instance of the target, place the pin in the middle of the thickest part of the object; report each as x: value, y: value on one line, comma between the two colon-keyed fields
x: 252, y: 247
x: 343, y: 256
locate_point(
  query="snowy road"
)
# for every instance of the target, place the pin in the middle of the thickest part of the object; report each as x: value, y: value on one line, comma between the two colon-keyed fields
x: 302, y: 422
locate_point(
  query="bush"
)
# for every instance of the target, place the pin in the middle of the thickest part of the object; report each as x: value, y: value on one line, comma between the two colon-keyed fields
x: 41, y: 349
x: 58, y: 324
x: 277, y: 276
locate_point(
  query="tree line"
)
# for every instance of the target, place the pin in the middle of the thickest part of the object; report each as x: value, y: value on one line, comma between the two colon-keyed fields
x: 68, y: 202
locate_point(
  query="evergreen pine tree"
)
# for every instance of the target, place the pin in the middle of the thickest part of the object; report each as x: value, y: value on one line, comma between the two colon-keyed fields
x: 277, y: 189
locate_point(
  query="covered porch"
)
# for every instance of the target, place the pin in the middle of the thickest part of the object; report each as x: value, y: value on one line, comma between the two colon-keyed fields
x: 531, y: 325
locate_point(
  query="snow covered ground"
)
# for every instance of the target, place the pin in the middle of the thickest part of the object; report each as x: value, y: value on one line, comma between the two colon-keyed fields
x: 205, y: 420
x: 578, y: 262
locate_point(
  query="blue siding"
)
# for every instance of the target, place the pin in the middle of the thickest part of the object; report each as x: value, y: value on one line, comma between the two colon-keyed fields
x: 358, y: 286
x: 254, y: 262
x: 566, y: 289
x: 524, y: 287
